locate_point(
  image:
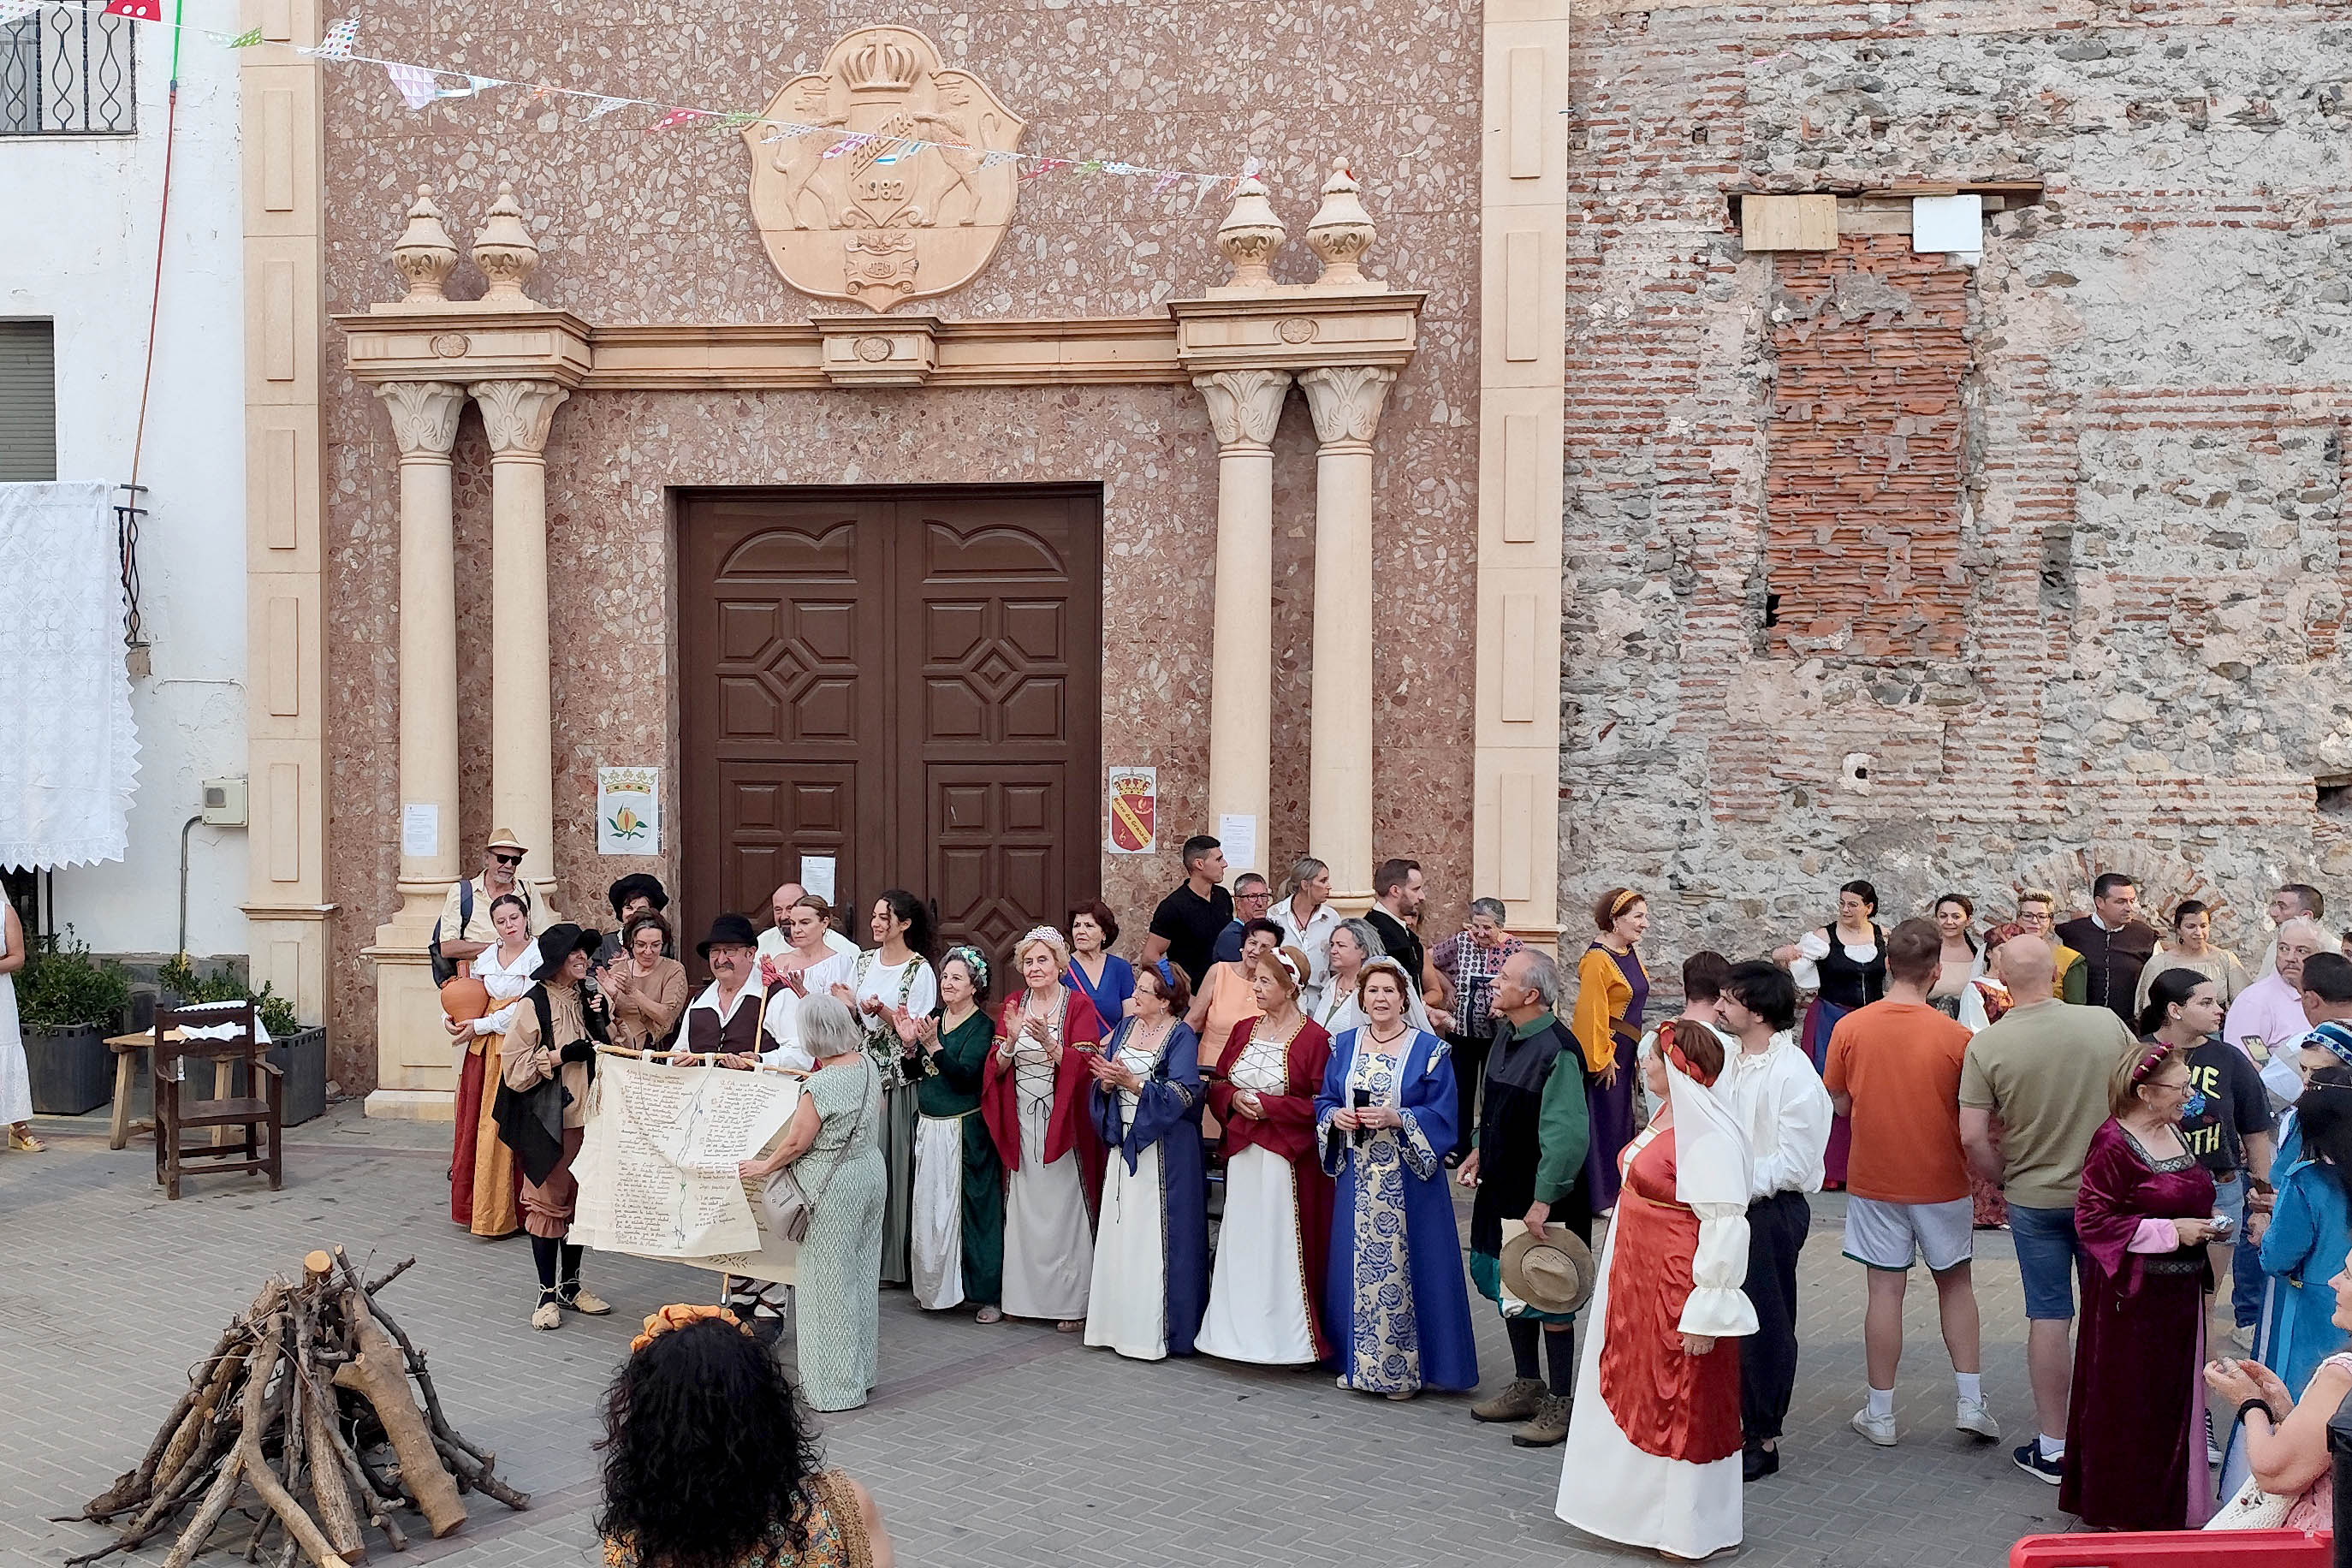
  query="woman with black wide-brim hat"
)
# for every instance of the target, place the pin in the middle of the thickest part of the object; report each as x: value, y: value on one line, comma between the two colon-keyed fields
x: 542, y: 1106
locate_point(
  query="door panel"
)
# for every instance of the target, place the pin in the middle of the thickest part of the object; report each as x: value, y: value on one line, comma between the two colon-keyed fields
x: 905, y: 681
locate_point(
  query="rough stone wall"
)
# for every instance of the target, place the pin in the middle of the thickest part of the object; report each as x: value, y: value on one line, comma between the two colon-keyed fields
x: 2128, y: 644
x: 654, y: 228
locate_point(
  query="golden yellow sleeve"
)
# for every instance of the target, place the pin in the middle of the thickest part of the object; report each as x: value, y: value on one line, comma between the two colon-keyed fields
x: 1601, y: 995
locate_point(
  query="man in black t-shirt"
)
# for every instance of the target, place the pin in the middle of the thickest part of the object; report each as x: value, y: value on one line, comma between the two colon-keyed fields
x: 1397, y: 896
x: 2230, y: 1133
x: 1186, y: 925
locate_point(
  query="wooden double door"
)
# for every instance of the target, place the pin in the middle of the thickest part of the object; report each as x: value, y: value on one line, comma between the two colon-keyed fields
x: 904, y: 682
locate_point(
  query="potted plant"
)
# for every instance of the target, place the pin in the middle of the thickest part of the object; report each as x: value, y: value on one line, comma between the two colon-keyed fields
x: 68, y: 1004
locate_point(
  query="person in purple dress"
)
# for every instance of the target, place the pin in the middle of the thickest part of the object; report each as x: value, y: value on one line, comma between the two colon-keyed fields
x: 1612, y: 990
x: 2136, y: 1434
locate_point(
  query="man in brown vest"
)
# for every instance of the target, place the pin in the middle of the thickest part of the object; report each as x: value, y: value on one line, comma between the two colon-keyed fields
x: 724, y: 1021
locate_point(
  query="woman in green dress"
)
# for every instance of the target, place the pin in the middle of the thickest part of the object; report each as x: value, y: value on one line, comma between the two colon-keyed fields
x: 831, y: 1146
x: 959, y: 1208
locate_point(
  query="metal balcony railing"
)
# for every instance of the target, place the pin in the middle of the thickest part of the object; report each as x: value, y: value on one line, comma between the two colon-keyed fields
x: 69, y: 71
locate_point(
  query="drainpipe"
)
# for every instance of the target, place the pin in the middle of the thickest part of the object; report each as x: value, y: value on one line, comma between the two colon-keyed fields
x: 184, y: 828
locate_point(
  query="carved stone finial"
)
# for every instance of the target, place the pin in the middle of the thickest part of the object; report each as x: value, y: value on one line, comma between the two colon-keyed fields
x: 505, y: 253
x: 1342, y: 233
x: 425, y: 253
x: 1250, y: 236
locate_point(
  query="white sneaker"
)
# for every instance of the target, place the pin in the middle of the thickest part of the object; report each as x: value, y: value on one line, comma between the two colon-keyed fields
x: 1974, y: 1418
x: 1879, y: 1429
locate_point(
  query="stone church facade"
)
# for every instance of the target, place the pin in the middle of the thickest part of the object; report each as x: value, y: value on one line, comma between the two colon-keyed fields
x: 1573, y: 460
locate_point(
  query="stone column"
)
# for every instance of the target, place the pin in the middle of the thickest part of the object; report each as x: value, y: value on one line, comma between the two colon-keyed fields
x: 1244, y: 405
x: 425, y: 422
x: 1346, y: 402
x: 413, y: 1075
x: 515, y: 414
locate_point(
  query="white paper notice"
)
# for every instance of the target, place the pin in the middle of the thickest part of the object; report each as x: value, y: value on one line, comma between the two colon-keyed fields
x: 657, y: 1162
x: 1237, y: 834
x: 816, y: 875
x: 420, y: 829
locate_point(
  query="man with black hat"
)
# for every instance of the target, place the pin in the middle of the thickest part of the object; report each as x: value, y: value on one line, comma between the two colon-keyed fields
x: 1528, y: 1164
x: 724, y: 1021
x: 542, y: 1106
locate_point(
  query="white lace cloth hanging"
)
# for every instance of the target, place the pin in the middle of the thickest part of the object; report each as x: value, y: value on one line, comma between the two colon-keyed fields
x: 69, y: 752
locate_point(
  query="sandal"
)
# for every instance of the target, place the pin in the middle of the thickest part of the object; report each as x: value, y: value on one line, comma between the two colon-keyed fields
x: 1070, y: 1326
x: 990, y: 1314
x: 23, y: 1143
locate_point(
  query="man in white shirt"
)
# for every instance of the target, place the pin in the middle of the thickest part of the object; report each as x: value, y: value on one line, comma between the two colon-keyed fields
x: 1771, y: 1088
x: 2296, y: 900
x: 724, y: 1021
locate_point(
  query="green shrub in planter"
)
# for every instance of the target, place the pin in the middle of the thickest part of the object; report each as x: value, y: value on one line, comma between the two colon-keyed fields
x: 62, y: 987
x: 179, y: 977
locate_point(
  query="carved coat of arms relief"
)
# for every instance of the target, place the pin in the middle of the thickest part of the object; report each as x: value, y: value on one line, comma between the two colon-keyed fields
x: 881, y: 220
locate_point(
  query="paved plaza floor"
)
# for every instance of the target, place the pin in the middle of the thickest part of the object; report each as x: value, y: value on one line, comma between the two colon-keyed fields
x: 1009, y: 1444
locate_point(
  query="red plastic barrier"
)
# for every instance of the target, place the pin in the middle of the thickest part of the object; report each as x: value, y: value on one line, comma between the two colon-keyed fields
x: 2176, y: 1549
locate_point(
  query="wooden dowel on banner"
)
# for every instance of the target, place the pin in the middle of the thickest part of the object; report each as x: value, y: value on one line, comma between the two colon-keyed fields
x: 694, y: 1058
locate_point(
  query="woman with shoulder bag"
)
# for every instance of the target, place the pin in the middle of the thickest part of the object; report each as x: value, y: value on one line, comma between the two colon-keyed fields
x: 2293, y: 1481
x: 827, y: 1175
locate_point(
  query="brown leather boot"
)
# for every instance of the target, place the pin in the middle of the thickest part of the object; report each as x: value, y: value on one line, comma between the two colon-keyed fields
x: 1519, y: 1400
x: 1548, y: 1427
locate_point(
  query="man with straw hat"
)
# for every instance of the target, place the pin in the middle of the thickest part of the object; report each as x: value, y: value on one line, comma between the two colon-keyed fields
x: 1528, y: 1167
x: 463, y: 929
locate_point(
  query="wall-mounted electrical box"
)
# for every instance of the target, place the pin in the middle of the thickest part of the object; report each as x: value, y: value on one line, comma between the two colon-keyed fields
x: 224, y: 802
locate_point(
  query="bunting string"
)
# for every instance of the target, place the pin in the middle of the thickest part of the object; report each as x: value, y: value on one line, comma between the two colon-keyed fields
x: 422, y: 85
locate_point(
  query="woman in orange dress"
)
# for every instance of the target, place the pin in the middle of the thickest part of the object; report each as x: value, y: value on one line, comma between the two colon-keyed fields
x: 1653, y: 1445
x: 1226, y: 999
x: 485, y: 1188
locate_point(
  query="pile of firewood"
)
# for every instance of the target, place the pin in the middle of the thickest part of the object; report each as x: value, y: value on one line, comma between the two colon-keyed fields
x: 305, y: 1394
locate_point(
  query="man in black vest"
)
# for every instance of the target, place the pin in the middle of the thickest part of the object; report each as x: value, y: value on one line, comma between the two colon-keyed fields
x: 2115, y: 945
x: 1529, y: 1165
x: 725, y: 1020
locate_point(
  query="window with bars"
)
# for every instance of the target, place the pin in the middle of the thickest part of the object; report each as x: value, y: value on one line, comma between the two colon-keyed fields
x: 69, y: 71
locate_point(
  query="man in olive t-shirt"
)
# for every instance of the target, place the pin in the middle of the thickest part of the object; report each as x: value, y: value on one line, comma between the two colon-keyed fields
x: 2043, y: 1070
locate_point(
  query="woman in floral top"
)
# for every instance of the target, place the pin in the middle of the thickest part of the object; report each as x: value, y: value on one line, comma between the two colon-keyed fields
x: 708, y: 1463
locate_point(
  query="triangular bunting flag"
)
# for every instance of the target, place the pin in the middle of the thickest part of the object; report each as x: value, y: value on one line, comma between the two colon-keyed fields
x: 605, y: 106
x: 245, y: 39
x: 677, y: 117
x: 137, y: 10
x: 341, y: 38
x: 996, y: 158
x: 17, y: 10
x: 849, y: 143
x: 413, y: 83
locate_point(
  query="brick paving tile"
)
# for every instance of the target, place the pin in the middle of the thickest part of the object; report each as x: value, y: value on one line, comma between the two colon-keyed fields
x: 1002, y: 1446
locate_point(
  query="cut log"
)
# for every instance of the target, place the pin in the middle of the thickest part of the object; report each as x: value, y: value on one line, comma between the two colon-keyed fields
x: 299, y: 1524
x: 381, y: 1376
x: 339, y: 1516
x: 208, y: 1516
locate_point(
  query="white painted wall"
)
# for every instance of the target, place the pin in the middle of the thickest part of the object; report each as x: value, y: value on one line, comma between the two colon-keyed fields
x: 81, y: 251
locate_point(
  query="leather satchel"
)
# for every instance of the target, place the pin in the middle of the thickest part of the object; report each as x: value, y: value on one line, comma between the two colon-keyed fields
x: 789, y: 1205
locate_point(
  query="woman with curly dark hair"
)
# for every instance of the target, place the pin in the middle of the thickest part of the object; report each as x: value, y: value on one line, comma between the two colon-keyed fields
x: 710, y: 1464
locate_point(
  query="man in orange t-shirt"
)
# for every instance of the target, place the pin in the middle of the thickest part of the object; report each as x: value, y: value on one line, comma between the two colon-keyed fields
x: 1894, y: 1070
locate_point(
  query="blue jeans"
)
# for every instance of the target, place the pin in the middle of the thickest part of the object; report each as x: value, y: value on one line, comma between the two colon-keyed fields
x: 2046, y: 1250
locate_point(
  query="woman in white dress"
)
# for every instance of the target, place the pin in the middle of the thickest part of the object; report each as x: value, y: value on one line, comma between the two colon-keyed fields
x: 1308, y: 920
x: 807, y: 967
x: 1265, y: 1301
x: 484, y: 1190
x: 1653, y: 1441
x: 1354, y: 943
x: 1151, y: 1251
x: 15, y: 1073
x: 894, y: 973
x: 1034, y: 1096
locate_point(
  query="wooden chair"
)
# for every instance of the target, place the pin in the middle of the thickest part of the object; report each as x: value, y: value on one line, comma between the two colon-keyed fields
x: 176, y: 1115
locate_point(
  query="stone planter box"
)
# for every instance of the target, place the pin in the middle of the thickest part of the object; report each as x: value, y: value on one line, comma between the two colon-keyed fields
x: 72, y: 1070
x: 303, y: 1058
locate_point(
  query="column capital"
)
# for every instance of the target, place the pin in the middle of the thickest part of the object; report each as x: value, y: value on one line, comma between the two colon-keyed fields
x: 515, y: 414
x: 1244, y: 405
x: 424, y: 415
x: 1346, y: 401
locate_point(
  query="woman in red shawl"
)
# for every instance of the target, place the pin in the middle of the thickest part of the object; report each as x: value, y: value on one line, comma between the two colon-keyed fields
x: 2134, y: 1438
x: 1265, y: 1301
x: 1032, y: 1095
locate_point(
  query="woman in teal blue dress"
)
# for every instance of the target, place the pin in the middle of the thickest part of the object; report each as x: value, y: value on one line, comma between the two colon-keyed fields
x: 2310, y: 1232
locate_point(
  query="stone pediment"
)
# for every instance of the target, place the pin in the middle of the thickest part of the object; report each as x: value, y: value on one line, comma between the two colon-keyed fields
x: 877, y: 221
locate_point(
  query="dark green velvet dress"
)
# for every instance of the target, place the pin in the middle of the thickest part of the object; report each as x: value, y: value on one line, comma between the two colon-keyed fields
x: 950, y: 1088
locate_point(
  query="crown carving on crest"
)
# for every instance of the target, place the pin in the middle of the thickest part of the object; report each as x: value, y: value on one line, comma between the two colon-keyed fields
x: 882, y: 66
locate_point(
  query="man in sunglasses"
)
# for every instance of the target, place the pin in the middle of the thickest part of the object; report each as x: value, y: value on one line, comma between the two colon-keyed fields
x: 465, y: 929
